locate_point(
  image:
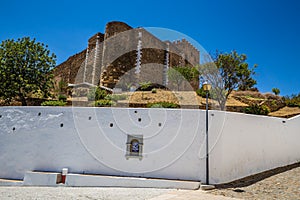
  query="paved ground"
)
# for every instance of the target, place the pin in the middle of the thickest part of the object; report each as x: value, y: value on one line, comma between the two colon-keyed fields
x: 66, y: 193
x: 60, y: 193
x: 282, y: 183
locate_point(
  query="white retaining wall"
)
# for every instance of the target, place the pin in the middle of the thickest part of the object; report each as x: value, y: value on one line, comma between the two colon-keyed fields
x: 93, y: 141
x: 31, y: 138
x: 248, y: 144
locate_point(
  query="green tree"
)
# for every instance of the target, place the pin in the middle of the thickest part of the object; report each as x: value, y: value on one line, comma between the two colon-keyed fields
x: 235, y: 71
x: 177, y: 75
x: 227, y: 72
x: 25, y: 67
x: 276, y: 91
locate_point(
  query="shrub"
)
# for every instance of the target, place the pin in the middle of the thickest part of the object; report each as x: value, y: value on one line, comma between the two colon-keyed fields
x: 144, y: 86
x: 116, y: 97
x: 200, y: 92
x: 62, y: 97
x: 96, y: 93
x: 104, y: 103
x: 276, y: 91
x: 53, y: 103
x: 292, y: 101
x: 162, y: 104
x: 257, y: 109
x: 154, y: 90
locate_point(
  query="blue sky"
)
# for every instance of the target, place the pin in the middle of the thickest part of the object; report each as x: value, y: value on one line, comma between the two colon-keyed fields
x: 268, y: 32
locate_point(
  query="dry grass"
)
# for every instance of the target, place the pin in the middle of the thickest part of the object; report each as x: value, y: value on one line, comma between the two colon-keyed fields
x: 248, y: 94
x: 286, y: 112
x: 182, y: 98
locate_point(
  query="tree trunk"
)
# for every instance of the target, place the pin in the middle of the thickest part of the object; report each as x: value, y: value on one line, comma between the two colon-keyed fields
x: 23, y: 99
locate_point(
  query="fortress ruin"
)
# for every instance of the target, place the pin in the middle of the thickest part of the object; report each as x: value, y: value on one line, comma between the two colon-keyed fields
x: 123, y: 52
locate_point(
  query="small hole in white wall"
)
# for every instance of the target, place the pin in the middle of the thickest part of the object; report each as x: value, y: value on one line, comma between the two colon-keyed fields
x: 139, y: 119
x: 135, y: 111
x: 212, y: 114
x: 111, y: 124
x: 39, y: 114
x: 61, y: 125
x: 90, y: 117
x: 159, y: 124
x: 0, y: 116
x: 14, y: 128
x: 283, y: 121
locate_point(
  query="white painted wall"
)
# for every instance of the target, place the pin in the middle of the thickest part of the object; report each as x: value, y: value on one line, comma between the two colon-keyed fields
x: 243, y: 145
x: 240, y: 145
x: 92, y: 146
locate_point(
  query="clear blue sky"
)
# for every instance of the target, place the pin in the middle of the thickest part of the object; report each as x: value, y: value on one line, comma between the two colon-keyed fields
x: 267, y: 31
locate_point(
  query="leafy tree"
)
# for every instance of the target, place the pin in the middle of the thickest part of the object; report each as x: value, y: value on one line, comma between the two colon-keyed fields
x: 227, y: 72
x: 276, y: 91
x: 235, y: 71
x: 177, y: 75
x: 25, y: 67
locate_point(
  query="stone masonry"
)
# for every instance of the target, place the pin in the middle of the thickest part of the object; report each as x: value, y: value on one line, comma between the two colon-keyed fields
x: 113, y: 59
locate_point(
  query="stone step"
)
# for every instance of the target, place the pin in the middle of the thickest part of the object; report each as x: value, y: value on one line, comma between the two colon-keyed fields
x: 81, y: 180
x: 9, y: 182
x: 42, y: 178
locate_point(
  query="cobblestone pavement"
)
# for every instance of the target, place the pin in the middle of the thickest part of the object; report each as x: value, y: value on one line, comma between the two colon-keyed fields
x: 281, y: 183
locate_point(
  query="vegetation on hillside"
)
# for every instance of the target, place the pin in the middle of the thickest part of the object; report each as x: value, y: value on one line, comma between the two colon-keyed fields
x: 53, y: 103
x: 25, y: 69
x: 292, y: 100
x: 96, y: 93
x: 180, y: 74
x: 162, y: 104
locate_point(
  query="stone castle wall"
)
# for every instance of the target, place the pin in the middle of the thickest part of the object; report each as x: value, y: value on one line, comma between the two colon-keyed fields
x: 68, y: 70
x: 190, y: 52
x: 114, y: 60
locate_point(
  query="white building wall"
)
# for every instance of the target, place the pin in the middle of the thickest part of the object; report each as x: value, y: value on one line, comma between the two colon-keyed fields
x: 174, y: 142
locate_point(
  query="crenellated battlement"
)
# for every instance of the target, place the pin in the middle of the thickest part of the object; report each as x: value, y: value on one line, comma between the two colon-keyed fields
x: 191, y: 53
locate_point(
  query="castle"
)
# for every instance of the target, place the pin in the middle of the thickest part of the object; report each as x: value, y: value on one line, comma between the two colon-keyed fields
x: 124, y: 54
